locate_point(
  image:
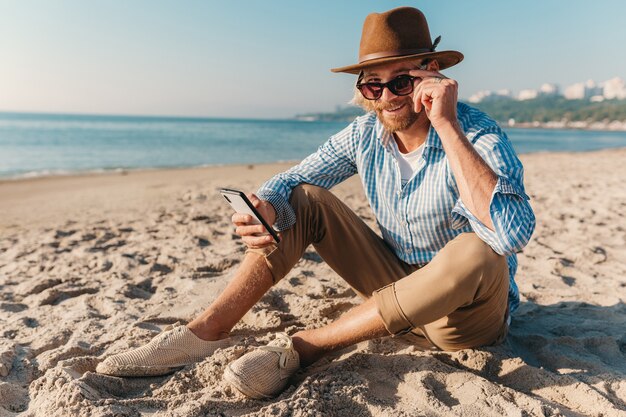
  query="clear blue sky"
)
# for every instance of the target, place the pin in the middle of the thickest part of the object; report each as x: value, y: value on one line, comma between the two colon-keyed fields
x: 272, y: 58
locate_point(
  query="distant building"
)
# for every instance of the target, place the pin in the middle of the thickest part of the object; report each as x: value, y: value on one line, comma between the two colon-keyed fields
x: 527, y: 95
x: 549, y: 90
x: 479, y: 96
x: 584, y: 90
x: 575, y: 92
x: 482, y: 95
x: 614, y: 88
x: 546, y: 90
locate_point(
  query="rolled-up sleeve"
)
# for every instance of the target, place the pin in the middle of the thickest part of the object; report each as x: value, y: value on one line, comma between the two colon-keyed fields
x: 332, y: 163
x: 512, y: 216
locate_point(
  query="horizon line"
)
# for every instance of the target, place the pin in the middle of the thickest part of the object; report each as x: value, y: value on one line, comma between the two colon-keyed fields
x: 144, y: 115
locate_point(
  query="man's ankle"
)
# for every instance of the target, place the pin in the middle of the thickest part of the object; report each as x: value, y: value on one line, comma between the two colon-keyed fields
x: 308, y: 352
x: 207, y: 331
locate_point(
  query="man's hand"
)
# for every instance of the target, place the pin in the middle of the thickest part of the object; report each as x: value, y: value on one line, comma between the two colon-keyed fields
x: 255, y: 236
x: 438, y: 96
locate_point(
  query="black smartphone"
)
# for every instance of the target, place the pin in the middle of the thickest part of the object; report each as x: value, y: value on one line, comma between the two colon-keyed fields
x: 240, y: 203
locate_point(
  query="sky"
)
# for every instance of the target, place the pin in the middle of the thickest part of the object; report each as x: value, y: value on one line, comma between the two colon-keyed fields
x: 271, y: 59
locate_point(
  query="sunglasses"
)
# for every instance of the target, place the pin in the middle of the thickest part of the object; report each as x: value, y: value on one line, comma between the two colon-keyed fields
x: 402, y: 85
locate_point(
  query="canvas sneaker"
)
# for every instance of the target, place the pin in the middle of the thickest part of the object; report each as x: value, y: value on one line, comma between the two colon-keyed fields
x: 168, y: 352
x: 264, y: 372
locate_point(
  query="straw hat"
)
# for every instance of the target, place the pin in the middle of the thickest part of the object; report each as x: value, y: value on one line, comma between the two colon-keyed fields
x: 398, y: 35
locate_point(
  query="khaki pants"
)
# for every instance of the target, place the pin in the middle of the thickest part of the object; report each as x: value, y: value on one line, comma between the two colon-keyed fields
x: 457, y: 301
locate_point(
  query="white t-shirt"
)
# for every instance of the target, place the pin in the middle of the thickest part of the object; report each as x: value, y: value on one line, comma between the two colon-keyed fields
x: 408, y: 162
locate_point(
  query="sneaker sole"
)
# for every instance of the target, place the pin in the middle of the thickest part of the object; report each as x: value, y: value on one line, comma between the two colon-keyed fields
x: 237, y: 381
x: 135, y: 371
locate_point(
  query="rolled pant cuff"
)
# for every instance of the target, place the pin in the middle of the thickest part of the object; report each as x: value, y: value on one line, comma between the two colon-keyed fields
x: 389, y: 310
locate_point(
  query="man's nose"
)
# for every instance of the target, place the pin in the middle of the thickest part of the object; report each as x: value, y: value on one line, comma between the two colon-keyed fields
x: 387, y: 95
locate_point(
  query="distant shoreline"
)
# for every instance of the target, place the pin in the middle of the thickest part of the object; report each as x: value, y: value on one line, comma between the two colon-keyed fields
x: 549, y: 112
x: 615, y: 126
x: 239, y: 167
x: 607, y: 126
x: 138, y: 170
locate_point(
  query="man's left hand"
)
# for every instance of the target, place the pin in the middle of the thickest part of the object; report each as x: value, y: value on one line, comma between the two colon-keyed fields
x: 437, y: 95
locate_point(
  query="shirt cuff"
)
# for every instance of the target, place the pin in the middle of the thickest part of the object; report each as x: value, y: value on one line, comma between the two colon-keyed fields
x: 285, y: 216
x: 461, y: 216
x: 504, y: 186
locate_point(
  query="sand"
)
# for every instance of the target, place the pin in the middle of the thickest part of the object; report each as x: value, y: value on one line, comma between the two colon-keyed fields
x: 93, y: 265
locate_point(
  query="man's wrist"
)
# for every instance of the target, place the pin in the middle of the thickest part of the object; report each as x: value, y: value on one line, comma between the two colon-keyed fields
x: 449, y: 130
x: 272, y: 211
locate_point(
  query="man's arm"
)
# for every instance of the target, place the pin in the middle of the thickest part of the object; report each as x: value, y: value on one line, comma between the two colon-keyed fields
x: 474, y: 178
x: 332, y: 163
x: 511, y: 218
x: 491, y: 195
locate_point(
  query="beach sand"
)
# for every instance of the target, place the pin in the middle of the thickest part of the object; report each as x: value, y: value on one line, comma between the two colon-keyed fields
x: 94, y: 265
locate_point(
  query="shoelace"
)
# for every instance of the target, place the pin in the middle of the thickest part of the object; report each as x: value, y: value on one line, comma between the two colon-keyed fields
x: 282, y: 350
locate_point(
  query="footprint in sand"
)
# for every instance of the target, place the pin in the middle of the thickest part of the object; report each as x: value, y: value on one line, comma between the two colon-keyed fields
x: 30, y: 288
x: 162, y: 269
x: 63, y: 233
x: 206, y: 219
x: 562, y: 265
x: 106, y: 241
x: 142, y: 290
x: 56, y: 295
x: 13, y: 307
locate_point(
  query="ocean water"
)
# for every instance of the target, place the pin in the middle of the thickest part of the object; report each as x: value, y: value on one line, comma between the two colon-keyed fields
x: 43, y: 144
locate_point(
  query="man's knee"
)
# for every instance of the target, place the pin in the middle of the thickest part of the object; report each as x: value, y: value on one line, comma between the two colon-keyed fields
x: 467, y: 257
x: 304, y: 195
x: 308, y: 191
x: 475, y: 250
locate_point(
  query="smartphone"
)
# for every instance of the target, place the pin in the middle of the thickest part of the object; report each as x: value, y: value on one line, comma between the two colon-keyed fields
x: 241, y: 204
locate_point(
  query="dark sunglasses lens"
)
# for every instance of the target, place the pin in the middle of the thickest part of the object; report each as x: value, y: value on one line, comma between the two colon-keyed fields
x: 371, y: 91
x: 401, y: 86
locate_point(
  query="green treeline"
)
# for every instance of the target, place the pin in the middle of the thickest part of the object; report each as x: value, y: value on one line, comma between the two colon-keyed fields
x: 548, y: 109
x: 542, y: 110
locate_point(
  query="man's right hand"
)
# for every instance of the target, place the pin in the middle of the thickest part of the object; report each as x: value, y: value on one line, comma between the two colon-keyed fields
x: 255, y: 236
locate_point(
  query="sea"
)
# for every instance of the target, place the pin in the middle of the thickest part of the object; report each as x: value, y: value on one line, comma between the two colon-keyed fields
x: 33, y: 145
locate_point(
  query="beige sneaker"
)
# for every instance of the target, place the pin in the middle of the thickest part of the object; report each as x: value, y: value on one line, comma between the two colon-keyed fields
x: 264, y: 372
x: 168, y: 352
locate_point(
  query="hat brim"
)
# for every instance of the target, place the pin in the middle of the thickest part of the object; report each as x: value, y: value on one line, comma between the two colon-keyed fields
x: 446, y: 59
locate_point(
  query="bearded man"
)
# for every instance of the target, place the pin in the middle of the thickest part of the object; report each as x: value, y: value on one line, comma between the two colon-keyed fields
x: 447, y: 191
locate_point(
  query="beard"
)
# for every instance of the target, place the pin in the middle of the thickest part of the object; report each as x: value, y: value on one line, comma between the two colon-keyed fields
x: 397, y: 122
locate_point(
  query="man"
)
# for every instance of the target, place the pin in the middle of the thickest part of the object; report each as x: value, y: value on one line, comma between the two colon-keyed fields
x: 447, y: 191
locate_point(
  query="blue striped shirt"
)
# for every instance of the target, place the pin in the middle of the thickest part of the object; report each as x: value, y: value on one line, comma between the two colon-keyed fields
x: 419, y: 218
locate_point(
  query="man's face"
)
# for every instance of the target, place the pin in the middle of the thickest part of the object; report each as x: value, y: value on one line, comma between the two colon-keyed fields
x: 395, y: 112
